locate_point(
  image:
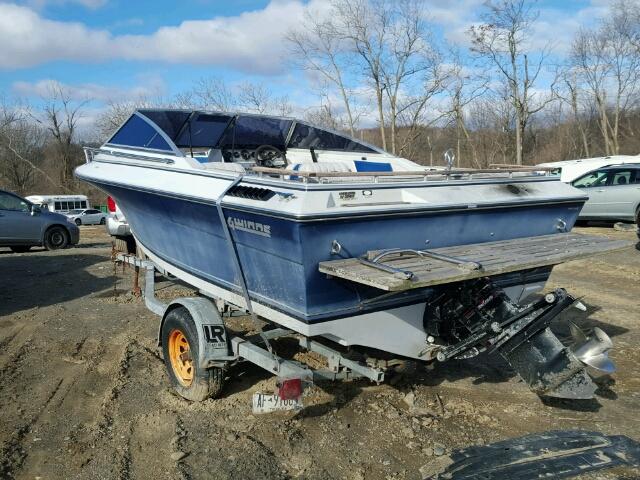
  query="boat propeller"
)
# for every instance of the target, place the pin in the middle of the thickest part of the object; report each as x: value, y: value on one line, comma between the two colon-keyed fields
x: 592, y: 350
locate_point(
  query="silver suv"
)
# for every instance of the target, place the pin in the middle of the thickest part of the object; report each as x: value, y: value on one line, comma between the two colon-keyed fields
x: 24, y: 225
x: 614, y: 193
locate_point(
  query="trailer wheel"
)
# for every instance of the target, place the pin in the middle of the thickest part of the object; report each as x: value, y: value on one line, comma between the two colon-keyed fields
x: 180, y: 351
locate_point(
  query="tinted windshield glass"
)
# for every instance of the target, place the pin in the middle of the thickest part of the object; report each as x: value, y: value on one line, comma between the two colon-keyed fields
x: 170, y: 121
x: 136, y: 132
x: 252, y: 132
x: 305, y: 136
x: 203, y: 130
x: 75, y: 211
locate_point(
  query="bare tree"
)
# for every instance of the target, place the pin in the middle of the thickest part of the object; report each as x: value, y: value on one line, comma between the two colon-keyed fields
x: 365, y: 25
x: 317, y: 46
x: 21, y: 140
x: 60, y: 116
x: 503, y: 41
x: 570, y: 91
x: 463, y: 86
x: 117, y: 112
x: 411, y: 64
x: 607, y: 64
x: 625, y: 15
x: 588, y: 59
x: 21, y: 149
x: 214, y: 94
x: 624, y: 59
x: 257, y: 98
x: 9, y: 113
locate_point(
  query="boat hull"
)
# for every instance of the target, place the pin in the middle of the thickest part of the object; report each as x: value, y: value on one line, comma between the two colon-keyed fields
x: 280, y: 256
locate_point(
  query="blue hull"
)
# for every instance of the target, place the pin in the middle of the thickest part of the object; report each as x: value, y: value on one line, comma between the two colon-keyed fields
x: 282, y: 269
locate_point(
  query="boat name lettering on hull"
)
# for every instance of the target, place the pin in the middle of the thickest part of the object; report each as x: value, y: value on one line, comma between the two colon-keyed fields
x: 249, y: 226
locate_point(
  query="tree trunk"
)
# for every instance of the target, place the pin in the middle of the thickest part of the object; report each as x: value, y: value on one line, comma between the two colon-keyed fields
x: 347, y: 107
x: 381, y: 115
x: 518, y: 138
x: 393, y: 130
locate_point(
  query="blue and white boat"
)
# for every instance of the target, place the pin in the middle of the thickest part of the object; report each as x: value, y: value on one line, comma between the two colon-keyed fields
x: 201, y: 190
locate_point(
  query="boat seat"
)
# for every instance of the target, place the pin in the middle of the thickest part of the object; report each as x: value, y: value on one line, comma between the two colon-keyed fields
x: 320, y: 167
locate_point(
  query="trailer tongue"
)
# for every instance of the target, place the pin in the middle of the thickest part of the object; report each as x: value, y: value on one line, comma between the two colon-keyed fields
x: 467, y: 313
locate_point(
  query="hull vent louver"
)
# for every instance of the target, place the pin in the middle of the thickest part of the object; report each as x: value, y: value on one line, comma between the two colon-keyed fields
x: 253, y: 193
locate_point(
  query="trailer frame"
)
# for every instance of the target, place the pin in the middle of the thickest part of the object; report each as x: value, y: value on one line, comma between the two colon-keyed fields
x: 205, y: 313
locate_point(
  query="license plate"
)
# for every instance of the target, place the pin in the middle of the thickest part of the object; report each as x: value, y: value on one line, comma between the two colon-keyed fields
x: 271, y: 402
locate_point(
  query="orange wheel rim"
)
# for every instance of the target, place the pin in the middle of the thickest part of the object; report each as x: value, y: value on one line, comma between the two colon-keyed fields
x: 180, y: 357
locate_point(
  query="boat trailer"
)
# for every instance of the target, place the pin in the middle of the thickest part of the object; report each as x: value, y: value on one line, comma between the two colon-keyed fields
x: 217, y: 348
x: 466, y: 314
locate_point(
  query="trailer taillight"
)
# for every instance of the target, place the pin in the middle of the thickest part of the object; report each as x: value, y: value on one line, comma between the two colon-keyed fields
x: 290, y: 389
x: 111, y: 205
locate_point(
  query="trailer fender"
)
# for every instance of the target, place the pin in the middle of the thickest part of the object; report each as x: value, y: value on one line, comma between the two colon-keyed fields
x: 213, y: 341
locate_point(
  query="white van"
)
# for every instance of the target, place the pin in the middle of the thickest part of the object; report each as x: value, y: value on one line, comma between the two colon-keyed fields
x: 569, y: 170
x: 60, y: 203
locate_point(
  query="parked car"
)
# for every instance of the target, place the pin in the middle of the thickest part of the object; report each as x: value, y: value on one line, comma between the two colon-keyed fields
x: 89, y: 216
x: 614, y: 193
x: 569, y: 170
x: 24, y: 225
x: 118, y: 227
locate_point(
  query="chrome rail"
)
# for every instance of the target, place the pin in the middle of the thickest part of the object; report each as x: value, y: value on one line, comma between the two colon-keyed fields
x: 375, y: 261
x: 90, y: 153
x: 419, y: 175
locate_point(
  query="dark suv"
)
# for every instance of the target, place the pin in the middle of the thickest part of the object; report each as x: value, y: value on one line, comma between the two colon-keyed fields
x: 24, y: 225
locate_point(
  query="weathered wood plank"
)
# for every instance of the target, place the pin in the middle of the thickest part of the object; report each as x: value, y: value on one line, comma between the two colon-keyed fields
x: 496, y: 258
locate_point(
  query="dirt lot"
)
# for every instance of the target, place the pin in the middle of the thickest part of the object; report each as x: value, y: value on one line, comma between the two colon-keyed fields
x: 83, y: 391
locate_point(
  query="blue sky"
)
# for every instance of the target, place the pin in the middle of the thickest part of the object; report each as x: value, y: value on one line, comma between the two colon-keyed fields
x: 118, y: 49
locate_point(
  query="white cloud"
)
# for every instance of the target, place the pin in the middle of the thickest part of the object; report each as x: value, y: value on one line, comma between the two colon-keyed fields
x: 554, y: 26
x: 27, y: 39
x: 250, y: 42
x: 153, y: 87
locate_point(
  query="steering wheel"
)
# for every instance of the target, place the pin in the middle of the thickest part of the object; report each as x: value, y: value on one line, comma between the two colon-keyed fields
x: 270, y: 156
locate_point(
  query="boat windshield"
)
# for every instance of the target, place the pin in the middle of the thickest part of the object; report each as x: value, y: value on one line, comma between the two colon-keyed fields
x: 203, y: 130
x: 171, y: 130
x: 253, y: 132
x: 305, y: 136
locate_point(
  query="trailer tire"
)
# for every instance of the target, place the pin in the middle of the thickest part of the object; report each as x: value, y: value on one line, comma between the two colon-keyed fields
x: 180, y: 351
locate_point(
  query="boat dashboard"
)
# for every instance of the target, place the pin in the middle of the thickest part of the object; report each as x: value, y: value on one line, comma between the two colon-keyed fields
x: 264, y: 155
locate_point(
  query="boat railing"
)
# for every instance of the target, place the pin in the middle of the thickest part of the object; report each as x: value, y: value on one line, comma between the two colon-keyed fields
x: 91, y: 152
x: 412, y: 175
x: 428, y: 174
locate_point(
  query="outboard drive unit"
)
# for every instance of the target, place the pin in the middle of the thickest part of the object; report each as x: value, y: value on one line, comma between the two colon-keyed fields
x: 471, y: 317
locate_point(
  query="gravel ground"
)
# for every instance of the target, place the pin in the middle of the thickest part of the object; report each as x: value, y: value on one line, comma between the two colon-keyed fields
x: 84, y: 395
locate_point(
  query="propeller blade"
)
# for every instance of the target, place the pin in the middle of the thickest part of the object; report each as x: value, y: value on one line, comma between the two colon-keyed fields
x: 601, y: 363
x: 592, y: 352
x: 577, y: 333
x: 603, y: 337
